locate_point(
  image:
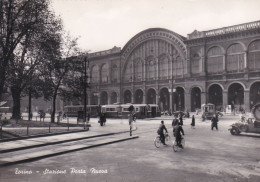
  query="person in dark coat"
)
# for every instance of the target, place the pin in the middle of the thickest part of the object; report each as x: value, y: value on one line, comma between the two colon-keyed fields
x: 214, y: 122
x: 193, y: 122
x: 160, y: 132
x: 177, y: 131
x: 175, y: 121
x: 181, y: 120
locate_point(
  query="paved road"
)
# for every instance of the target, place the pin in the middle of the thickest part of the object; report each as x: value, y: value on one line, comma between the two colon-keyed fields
x: 208, y: 156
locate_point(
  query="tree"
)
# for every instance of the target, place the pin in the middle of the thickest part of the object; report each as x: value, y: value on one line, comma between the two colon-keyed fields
x: 18, y: 21
x: 61, y: 72
x: 39, y: 43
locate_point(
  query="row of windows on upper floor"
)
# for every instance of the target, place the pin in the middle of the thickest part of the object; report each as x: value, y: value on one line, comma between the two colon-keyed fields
x: 235, y: 60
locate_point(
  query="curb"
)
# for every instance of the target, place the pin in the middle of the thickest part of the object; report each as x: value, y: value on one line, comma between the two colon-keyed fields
x: 41, y: 135
x: 62, y: 141
x: 64, y: 152
x: 54, y: 143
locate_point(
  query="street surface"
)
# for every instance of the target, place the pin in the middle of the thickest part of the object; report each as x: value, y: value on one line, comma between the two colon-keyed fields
x: 209, y: 156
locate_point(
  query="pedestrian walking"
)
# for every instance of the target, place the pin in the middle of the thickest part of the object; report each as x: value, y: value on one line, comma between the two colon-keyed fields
x: 181, y: 120
x: 214, y: 123
x: 193, y: 122
x: 175, y: 121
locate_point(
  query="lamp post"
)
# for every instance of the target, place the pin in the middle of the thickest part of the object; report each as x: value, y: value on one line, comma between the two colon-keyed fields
x: 85, y: 90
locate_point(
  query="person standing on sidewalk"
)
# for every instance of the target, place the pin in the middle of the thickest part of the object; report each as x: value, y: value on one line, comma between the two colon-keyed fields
x: 130, y: 120
x: 193, y: 122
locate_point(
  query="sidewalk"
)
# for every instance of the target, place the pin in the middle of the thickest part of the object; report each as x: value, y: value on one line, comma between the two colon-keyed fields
x: 29, y: 149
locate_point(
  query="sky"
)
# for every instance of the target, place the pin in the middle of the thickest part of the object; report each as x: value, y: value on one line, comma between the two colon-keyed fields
x: 103, y: 24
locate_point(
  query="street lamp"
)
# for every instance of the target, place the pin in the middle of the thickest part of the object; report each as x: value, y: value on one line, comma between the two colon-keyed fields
x: 85, y: 89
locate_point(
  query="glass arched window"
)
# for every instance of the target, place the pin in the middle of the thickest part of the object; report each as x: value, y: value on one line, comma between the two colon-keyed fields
x: 138, y: 70
x: 94, y: 74
x: 163, y: 67
x: 215, y: 60
x: 151, y: 68
x: 104, y: 73
x: 235, y: 58
x: 129, y: 72
x: 195, y: 64
x: 114, y: 74
x: 178, y: 66
x: 254, y: 55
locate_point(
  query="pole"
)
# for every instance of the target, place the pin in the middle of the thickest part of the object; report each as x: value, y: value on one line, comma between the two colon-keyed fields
x: 85, y: 91
x: 30, y: 105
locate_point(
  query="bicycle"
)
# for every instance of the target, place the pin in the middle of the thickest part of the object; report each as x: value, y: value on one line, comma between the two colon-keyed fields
x: 158, y: 142
x: 176, y: 147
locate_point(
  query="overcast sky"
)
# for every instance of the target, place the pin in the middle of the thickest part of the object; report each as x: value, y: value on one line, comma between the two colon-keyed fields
x: 103, y: 24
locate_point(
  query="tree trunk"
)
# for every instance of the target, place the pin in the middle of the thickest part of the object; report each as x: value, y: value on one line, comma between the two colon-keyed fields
x: 54, y: 106
x: 16, y: 94
x: 2, y: 80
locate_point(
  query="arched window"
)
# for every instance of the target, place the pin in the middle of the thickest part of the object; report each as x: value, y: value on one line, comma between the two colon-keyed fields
x: 138, y: 70
x: 195, y: 64
x: 104, y: 73
x: 235, y: 58
x: 254, y: 55
x: 128, y: 72
x: 215, y: 60
x: 151, y: 68
x: 178, y: 66
x: 114, y: 74
x: 163, y: 67
x: 94, y: 74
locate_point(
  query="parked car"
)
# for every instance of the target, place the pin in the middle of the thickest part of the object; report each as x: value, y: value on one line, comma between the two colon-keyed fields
x: 249, y: 125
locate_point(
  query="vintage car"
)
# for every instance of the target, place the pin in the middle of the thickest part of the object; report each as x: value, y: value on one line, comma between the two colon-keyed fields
x: 249, y: 125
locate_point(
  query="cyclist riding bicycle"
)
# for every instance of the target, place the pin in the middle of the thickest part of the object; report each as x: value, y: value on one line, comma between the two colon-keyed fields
x: 160, y: 132
x: 177, y: 130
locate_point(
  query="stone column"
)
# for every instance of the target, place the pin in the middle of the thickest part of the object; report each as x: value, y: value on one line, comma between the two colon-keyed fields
x: 225, y: 98
x: 144, y: 99
x: 132, y: 97
x: 203, y: 97
x: 108, y: 98
x: 98, y: 98
x: 171, y: 108
x: 89, y: 99
x: 247, y: 100
x: 187, y: 100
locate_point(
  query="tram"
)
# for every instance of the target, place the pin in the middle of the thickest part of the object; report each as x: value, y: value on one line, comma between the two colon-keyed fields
x: 208, y: 111
x: 72, y: 111
x: 141, y: 110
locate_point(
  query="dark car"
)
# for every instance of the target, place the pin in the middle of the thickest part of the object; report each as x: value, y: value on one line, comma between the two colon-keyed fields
x: 249, y: 125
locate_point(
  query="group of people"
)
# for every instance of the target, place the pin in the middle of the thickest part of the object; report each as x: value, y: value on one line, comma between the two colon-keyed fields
x: 177, y: 129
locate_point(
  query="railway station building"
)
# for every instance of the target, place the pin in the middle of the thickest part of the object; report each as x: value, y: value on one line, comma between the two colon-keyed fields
x: 159, y: 66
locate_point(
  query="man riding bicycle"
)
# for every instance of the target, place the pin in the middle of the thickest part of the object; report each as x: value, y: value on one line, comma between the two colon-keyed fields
x: 160, y: 132
x: 177, y: 130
